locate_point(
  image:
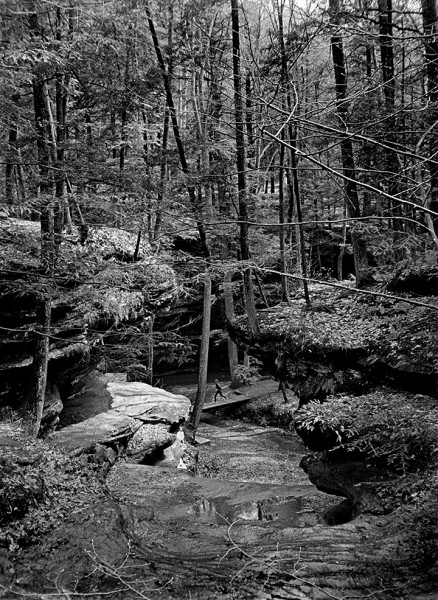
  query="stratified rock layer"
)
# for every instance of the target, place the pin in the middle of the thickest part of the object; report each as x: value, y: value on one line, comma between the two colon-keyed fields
x: 145, y: 418
x: 347, y: 343
x: 147, y: 403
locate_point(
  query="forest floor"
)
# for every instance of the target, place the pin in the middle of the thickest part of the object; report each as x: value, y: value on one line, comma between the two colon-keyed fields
x: 399, y: 331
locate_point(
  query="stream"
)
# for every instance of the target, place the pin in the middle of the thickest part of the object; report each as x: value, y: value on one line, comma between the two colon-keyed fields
x: 237, y: 450
x: 268, y: 456
x: 246, y: 471
x: 243, y: 527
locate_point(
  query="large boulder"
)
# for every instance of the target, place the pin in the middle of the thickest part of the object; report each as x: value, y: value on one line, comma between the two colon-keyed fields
x: 149, y: 441
x: 147, y: 403
x: 142, y: 420
x: 106, y: 428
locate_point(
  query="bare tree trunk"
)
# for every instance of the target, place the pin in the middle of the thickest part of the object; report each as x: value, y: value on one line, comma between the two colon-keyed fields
x: 363, y: 275
x: 342, y: 246
x: 163, y: 176
x: 300, y: 230
x: 83, y: 227
x: 205, y: 337
x: 165, y: 138
x: 137, y: 246
x: 425, y: 201
x: 388, y: 77
x: 123, y: 140
x: 11, y: 162
x: 233, y: 359
x: 430, y: 26
x: 176, y: 132
x: 151, y: 350
x: 114, y: 133
x: 290, y: 209
x: 241, y: 174
x: 37, y: 386
x: 20, y: 175
x: 293, y: 155
x: 202, y: 114
x: 249, y: 109
x: 145, y: 134
x: 56, y: 140
x: 200, y: 397
x: 37, y: 389
x: 281, y: 230
x: 61, y: 135
x: 45, y: 176
x: 203, y: 359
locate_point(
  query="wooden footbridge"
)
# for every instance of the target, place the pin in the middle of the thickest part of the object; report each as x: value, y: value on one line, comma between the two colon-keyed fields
x: 232, y: 399
x: 242, y: 395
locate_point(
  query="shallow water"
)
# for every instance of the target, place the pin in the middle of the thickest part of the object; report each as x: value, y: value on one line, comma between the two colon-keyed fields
x: 245, y: 452
x: 292, y: 512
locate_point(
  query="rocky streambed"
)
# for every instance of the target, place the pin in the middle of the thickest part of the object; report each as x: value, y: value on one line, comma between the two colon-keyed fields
x: 249, y: 525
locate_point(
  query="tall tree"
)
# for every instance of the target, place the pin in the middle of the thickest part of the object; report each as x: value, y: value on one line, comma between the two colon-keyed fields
x: 295, y: 192
x: 164, y: 137
x: 430, y: 30
x: 11, y: 160
x: 241, y: 173
x: 38, y: 381
x: 362, y: 268
x: 388, y: 78
x: 206, y: 316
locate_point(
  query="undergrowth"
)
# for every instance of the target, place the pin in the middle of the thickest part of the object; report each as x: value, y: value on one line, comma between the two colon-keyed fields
x: 38, y: 491
x: 386, y: 429
x: 398, y: 432
x: 272, y: 411
x: 421, y: 518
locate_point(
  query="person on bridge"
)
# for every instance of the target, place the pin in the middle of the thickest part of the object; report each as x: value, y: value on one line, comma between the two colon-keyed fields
x: 218, y: 391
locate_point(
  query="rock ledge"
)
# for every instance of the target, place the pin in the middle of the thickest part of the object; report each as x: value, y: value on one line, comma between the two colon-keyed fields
x: 143, y: 420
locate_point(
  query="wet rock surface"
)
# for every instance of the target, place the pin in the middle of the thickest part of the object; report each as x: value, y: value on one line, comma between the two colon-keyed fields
x: 251, y: 527
x: 208, y: 501
x: 180, y: 536
x: 247, y: 452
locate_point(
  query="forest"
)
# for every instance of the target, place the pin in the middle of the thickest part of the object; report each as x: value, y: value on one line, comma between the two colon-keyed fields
x: 267, y: 141
x: 245, y: 185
